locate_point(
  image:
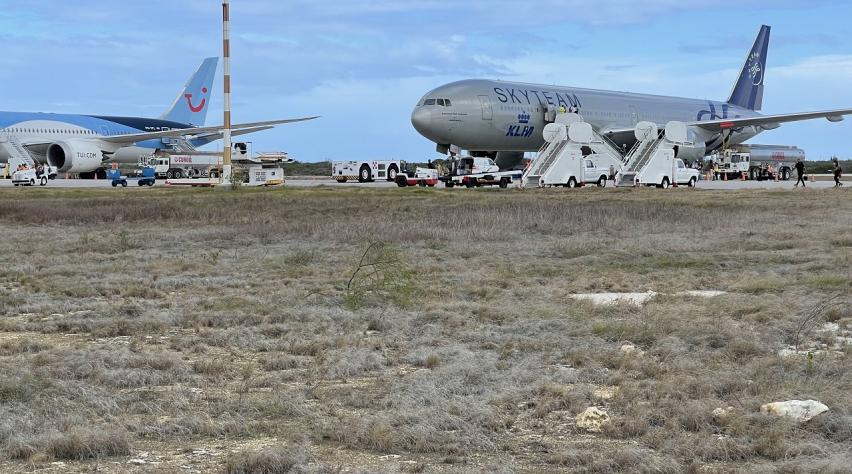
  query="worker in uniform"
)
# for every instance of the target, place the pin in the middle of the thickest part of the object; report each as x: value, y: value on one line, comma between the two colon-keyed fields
x: 562, y: 109
x: 800, y: 172
x: 838, y: 172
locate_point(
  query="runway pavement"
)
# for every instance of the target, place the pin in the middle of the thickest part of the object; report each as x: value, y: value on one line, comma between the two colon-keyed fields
x: 307, y: 182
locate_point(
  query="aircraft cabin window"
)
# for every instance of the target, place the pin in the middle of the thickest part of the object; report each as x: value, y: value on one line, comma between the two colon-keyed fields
x: 429, y: 102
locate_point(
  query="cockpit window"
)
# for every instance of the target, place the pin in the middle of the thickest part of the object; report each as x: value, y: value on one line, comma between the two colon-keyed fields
x: 441, y: 102
x: 447, y: 103
x: 429, y: 102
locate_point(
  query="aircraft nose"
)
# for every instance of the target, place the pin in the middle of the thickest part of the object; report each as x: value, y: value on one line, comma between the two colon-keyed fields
x: 421, y: 119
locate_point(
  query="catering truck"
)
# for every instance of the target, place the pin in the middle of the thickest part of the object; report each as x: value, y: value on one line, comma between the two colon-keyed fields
x: 759, y: 161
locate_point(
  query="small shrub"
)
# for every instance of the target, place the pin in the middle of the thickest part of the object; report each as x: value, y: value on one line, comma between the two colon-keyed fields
x: 86, y: 443
x: 272, y: 460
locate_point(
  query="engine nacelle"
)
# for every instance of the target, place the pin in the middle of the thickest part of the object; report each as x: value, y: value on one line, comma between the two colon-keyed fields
x: 75, y: 156
x: 695, y: 152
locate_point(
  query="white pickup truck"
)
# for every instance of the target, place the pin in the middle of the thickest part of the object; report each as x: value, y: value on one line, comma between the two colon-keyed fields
x: 581, y: 170
x: 659, y: 173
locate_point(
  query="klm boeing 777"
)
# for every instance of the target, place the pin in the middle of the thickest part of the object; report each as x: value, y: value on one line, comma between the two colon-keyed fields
x: 505, y: 119
x: 85, y: 143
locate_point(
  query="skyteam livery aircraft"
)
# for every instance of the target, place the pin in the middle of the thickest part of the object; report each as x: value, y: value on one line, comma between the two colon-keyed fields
x: 506, y: 119
x: 83, y: 143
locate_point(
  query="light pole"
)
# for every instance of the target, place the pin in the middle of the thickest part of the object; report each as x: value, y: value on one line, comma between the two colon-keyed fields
x: 226, y: 60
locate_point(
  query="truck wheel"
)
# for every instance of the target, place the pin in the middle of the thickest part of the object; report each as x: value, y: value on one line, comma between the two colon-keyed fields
x: 449, y: 183
x: 752, y: 174
x: 43, y: 181
x: 504, y: 182
x: 32, y: 182
x: 178, y: 174
x: 572, y: 183
x: 785, y: 174
x: 392, y: 172
x: 169, y: 175
x: 364, y: 174
x: 401, y: 181
x: 602, y: 182
x: 123, y: 183
x: 691, y: 183
x: 665, y: 184
x: 141, y: 182
x: 341, y: 181
x: 114, y: 184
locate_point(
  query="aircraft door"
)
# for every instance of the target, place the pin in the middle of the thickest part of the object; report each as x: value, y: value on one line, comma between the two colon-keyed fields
x: 487, y: 111
x: 634, y: 115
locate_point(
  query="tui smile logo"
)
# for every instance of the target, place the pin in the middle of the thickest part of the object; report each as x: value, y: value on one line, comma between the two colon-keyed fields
x: 199, y: 107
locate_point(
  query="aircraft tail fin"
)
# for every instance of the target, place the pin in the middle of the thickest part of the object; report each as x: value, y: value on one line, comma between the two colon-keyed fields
x: 193, y: 102
x: 748, y: 91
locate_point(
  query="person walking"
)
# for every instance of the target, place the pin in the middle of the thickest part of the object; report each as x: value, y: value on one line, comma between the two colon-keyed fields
x: 838, y: 172
x: 800, y: 172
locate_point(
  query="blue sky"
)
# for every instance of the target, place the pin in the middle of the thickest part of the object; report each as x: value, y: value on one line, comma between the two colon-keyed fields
x: 363, y: 65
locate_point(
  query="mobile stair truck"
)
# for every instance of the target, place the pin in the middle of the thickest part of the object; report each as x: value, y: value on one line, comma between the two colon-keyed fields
x: 653, y: 162
x: 573, y: 155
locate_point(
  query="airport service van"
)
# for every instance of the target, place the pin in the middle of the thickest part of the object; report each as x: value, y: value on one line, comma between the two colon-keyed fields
x: 474, y: 172
x: 577, y: 170
x: 366, y: 171
x: 759, y: 161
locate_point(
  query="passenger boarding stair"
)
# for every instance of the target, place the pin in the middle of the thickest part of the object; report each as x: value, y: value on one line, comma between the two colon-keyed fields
x: 556, y: 148
x: 17, y: 153
x: 648, y: 139
x: 653, y: 153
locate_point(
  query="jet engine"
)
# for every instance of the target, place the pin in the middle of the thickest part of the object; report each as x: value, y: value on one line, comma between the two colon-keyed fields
x: 75, y: 156
x: 695, y: 152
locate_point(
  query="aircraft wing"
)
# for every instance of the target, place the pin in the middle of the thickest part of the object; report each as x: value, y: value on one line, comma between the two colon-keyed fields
x: 771, y: 121
x: 182, y: 132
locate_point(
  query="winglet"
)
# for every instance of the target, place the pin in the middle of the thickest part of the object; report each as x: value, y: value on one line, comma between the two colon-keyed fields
x: 748, y: 91
x: 191, y: 105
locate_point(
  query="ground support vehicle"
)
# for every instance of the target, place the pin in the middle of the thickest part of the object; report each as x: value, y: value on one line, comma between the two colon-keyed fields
x: 28, y: 177
x: 422, y: 177
x: 147, y: 177
x: 575, y: 170
x: 366, y: 171
x: 758, y: 162
x: 474, y: 172
x: 184, y: 166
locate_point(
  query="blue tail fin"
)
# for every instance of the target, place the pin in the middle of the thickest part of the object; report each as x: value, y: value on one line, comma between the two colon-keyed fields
x: 748, y: 91
x: 193, y: 102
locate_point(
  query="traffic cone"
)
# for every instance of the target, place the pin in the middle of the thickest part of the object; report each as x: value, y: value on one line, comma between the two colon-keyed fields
x: 724, y: 176
x: 742, y: 177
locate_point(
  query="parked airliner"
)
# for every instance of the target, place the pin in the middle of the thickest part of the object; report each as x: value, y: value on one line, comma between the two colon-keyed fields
x: 85, y: 143
x: 506, y: 119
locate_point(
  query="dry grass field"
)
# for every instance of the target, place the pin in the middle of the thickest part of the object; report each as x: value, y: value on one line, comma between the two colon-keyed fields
x: 366, y: 330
